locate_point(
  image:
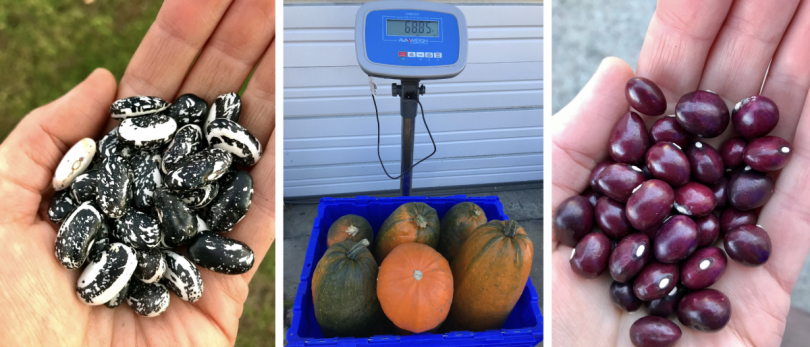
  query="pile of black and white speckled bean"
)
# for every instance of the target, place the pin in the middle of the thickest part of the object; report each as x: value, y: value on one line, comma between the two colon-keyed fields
x: 166, y: 176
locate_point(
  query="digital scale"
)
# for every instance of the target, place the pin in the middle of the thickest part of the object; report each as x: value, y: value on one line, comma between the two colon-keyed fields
x: 410, y: 41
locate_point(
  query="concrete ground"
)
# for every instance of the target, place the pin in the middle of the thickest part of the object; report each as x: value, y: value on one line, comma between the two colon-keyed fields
x: 586, y: 31
x: 523, y: 203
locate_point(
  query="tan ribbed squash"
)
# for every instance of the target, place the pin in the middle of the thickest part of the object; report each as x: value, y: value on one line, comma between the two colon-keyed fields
x: 490, y: 272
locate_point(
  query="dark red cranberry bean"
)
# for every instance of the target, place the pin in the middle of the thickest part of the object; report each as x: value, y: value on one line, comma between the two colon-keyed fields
x: 676, y: 240
x: 618, y: 180
x: 720, y: 192
x: 769, y: 153
x: 589, y: 259
x: 611, y: 219
x: 732, y: 152
x: 708, y: 229
x: 629, y: 257
x: 645, y: 96
x: 592, y: 179
x: 667, y: 129
x: 592, y: 196
x: 705, y: 162
x: 703, y: 268
x: 748, y: 244
x: 573, y: 220
x: 649, y: 204
x: 749, y: 189
x: 731, y: 218
x: 704, y: 310
x: 668, y: 305
x: 655, y: 281
x: 755, y: 116
x: 702, y: 113
x: 623, y: 296
x: 694, y: 199
x: 652, y: 331
x: 668, y: 163
x: 629, y: 140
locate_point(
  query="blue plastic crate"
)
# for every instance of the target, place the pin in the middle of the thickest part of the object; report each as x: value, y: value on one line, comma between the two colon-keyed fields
x: 524, y: 327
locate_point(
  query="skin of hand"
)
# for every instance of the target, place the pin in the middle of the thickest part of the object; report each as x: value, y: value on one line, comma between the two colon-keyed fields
x: 37, y: 294
x: 724, y: 46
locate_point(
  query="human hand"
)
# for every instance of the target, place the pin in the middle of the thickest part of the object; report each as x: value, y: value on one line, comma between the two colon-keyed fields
x: 724, y: 47
x: 37, y: 294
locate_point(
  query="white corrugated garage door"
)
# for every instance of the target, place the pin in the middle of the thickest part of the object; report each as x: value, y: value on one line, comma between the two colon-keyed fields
x: 487, y: 122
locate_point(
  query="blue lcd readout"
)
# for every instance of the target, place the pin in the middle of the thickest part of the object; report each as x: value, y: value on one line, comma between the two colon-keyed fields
x: 432, y: 38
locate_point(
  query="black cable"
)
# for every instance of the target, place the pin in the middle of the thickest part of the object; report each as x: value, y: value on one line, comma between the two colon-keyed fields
x: 378, y: 139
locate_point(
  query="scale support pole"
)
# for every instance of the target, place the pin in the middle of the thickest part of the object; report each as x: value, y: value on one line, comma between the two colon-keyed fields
x: 408, y: 94
x: 406, y: 181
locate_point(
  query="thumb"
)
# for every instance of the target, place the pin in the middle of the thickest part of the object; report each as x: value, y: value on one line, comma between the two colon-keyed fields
x: 30, y: 153
x: 581, y: 130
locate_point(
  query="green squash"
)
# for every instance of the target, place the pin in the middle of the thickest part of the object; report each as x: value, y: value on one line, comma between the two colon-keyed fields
x: 349, y: 227
x: 344, y: 291
x: 457, y: 226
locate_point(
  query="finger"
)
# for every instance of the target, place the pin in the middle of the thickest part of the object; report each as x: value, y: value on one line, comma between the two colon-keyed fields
x: 257, y: 229
x: 744, y: 47
x: 259, y: 98
x: 580, y: 295
x: 786, y: 216
x: 788, y: 80
x: 677, y: 43
x: 33, y: 150
x: 233, y: 50
x: 227, y: 294
x: 179, y: 32
x: 581, y: 130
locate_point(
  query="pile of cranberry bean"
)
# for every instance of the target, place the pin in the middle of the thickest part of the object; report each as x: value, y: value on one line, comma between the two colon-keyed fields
x: 663, y: 212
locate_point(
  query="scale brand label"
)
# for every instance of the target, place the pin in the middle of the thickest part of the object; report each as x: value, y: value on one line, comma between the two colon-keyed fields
x: 414, y: 40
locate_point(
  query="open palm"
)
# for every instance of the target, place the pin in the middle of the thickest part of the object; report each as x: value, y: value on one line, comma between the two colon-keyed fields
x: 724, y: 46
x: 37, y: 294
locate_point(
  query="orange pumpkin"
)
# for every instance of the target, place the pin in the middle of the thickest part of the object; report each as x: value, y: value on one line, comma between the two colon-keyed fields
x: 490, y: 272
x: 412, y: 222
x: 349, y: 227
x: 415, y: 287
x: 457, y: 226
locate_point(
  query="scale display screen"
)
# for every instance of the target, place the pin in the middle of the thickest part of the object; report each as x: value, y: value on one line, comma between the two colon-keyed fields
x: 397, y: 27
x: 410, y: 39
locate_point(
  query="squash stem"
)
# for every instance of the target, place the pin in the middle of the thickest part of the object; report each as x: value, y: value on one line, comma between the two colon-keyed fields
x: 352, y: 230
x: 511, y: 228
x: 421, y: 221
x: 417, y: 274
x: 476, y: 213
x: 354, y: 252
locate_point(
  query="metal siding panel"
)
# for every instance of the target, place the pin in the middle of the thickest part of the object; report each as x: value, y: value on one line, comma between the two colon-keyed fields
x: 369, y: 186
x: 301, y: 175
x: 352, y: 105
x: 340, y: 53
x: 323, y: 132
x: 352, y: 76
x: 487, y: 122
x: 449, y: 149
